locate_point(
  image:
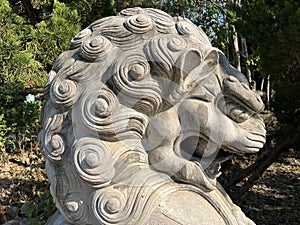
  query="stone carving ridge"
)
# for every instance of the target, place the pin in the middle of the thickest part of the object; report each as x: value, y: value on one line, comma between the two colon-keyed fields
x: 140, y: 112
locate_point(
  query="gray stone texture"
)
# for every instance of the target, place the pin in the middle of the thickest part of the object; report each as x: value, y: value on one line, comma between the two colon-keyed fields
x: 140, y: 112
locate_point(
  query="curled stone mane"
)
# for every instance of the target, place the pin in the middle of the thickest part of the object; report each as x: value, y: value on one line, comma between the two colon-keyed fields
x: 140, y: 112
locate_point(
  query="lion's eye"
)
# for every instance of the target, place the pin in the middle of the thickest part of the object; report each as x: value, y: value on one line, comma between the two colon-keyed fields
x: 234, y: 111
x: 238, y: 115
x: 203, y: 98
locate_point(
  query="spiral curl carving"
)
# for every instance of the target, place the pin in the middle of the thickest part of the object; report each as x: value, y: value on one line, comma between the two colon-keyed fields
x: 134, y: 85
x: 196, y: 35
x: 63, y: 93
x: 184, y: 27
x: 94, y: 48
x: 81, y: 36
x: 176, y: 44
x: 164, y: 23
x: 57, y: 145
x: 162, y: 52
x: 139, y: 24
x: 110, y: 207
x: 53, y: 143
x: 102, y: 114
x: 105, y: 104
x: 97, y: 106
x: 93, y: 162
x: 116, y: 33
x: 52, y: 74
x: 114, y: 205
x: 143, y: 57
x: 76, y: 210
x: 131, y: 11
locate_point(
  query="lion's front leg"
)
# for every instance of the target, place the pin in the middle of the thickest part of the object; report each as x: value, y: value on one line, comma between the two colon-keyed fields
x: 162, y: 134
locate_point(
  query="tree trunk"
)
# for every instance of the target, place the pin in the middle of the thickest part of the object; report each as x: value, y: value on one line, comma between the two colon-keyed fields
x: 236, y: 48
x: 260, y: 167
x: 256, y: 170
x: 236, y: 40
x: 246, y: 57
x: 30, y: 11
x: 268, y: 92
x: 262, y: 84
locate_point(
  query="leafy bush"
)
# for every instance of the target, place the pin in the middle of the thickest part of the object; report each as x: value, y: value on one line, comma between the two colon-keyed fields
x: 18, y: 65
x: 52, y: 37
x: 39, y: 209
x: 3, y: 130
x: 27, y: 53
x: 20, y: 123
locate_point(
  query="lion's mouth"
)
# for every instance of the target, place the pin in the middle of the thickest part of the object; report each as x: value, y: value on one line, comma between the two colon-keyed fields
x: 206, y: 154
x: 209, y: 156
x: 213, y: 170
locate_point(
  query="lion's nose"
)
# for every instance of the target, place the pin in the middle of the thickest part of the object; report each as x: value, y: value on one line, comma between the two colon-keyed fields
x: 234, y: 88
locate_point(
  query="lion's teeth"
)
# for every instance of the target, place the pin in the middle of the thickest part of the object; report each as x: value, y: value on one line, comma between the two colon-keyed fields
x: 213, y: 170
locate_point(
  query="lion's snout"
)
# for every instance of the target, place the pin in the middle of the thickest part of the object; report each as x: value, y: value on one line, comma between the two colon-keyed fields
x: 243, y: 94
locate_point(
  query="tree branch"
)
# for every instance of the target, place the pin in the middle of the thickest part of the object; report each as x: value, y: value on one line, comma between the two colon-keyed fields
x: 256, y: 170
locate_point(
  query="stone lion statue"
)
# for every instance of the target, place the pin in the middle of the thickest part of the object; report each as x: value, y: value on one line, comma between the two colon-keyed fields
x: 140, y: 112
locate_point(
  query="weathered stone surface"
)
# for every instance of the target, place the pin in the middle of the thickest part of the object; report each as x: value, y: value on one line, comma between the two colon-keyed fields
x: 139, y: 114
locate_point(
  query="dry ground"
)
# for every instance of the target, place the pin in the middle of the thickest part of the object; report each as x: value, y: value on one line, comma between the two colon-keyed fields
x: 22, y: 178
x: 274, y: 199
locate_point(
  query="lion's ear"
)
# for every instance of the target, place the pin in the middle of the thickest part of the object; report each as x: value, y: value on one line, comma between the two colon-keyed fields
x: 212, y: 58
x: 194, y: 69
x: 187, y: 62
x: 191, y: 69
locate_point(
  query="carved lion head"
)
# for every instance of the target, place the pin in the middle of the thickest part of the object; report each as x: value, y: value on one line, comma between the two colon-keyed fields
x: 141, y: 96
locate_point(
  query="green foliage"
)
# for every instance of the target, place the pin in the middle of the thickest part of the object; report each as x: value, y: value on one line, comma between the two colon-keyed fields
x: 3, y: 131
x: 91, y: 10
x: 28, y: 122
x: 39, y: 209
x: 27, y: 53
x: 272, y: 29
x: 21, y: 123
x: 17, y: 63
x: 52, y: 37
x: 287, y: 107
x: 212, y: 16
